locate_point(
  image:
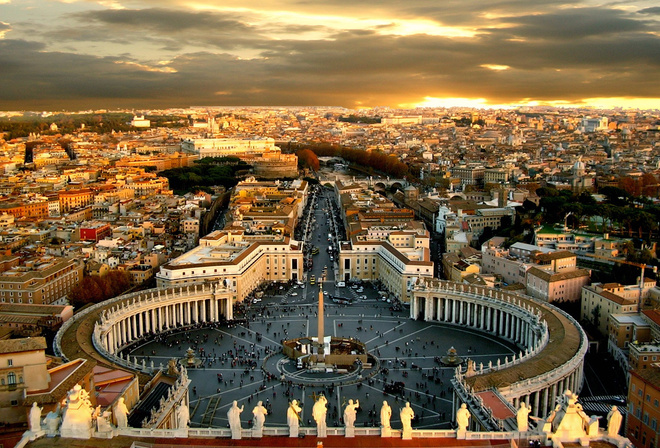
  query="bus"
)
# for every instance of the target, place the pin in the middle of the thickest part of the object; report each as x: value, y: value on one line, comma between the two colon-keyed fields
x: 312, y: 280
x: 315, y: 251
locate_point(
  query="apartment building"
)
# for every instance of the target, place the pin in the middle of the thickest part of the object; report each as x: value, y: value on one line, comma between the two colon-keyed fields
x: 556, y: 279
x: 396, y: 258
x: 242, y: 261
x: 600, y: 300
x: 72, y: 199
x: 43, y: 280
x: 644, y: 407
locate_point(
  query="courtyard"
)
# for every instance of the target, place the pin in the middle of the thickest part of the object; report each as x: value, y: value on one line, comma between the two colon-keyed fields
x: 242, y: 361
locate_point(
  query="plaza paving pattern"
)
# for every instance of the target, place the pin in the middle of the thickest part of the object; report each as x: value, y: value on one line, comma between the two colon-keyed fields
x: 243, y: 362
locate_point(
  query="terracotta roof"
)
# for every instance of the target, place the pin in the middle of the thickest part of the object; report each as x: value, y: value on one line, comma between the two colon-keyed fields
x: 555, y: 255
x: 653, y: 315
x: 651, y: 376
x: 550, y: 276
x: 616, y: 298
x: 78, y: 369
x: 22, y: 345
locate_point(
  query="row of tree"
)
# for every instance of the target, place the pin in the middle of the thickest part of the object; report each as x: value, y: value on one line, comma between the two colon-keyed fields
x: 96, y: 288
x: 374, y: 161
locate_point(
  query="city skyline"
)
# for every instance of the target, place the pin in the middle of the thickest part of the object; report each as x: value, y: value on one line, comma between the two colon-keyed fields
x: 155, y: 54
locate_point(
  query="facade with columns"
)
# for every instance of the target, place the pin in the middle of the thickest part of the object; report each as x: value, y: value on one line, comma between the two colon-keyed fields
x: 131, y: 317
x: 552, y: 344
x: 160, y: 311
x: 239, y: 261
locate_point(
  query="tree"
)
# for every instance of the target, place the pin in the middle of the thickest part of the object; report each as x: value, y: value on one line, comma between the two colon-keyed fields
x: 615, y: 196
x: 95, y: 288
x: 307, y: 157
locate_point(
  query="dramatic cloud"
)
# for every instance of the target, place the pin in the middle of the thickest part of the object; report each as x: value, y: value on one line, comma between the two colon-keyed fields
x: 165, y: 53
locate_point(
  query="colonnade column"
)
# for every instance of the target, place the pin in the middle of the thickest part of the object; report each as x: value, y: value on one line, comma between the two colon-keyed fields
x: 229, y: 308
x: 535, y: 408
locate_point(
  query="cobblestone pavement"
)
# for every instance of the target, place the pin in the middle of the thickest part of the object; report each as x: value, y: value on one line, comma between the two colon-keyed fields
x: 244, y: 362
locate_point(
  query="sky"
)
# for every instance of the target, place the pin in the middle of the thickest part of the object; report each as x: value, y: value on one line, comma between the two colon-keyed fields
x: 149, y: 54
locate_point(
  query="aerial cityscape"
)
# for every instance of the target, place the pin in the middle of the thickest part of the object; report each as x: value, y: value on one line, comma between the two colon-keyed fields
x: 297, y: 224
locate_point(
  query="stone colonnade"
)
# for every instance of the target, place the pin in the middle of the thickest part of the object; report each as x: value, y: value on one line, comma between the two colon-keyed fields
x: 503, y: 319
x: 513, y: 318
x: 158, y: 312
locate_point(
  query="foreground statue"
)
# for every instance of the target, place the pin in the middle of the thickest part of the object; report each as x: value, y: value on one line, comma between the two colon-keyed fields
x: 77, y: 421
x: 522, y: 417
x: 406, y: 414
x: 463, y: 418
x: 259, y: 412
x: 34, y: 420
x: 319, y: 412
x: 121, y: 413
x: 52, y: 421
x: 293, y: 418
x: 182, y: 416
x: 385, y: 416
x: 350, y: 413
x: 614, y: 419
x: 234, y: 417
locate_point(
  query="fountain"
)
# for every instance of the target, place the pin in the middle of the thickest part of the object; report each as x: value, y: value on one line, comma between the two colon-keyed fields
x: 190, y: 360
x: 451, y: 359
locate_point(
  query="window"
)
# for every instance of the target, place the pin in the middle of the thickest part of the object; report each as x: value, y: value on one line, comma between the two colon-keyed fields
x: 10, y: 362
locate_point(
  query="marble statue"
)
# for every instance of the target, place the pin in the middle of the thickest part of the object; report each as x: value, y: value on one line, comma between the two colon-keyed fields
x: 613, y: 422
x: 572, y: 422
x: 259, y: 412
x: 234, y: 417
x: 293, y: 418
x: 121, y: 413
x: 172, y: 368
x: 103, y: 422
x: 182, y: 416
x: 350, y: 412
x: 406, y: 414
x: 463, y: 418
x: 34, y: 419
x: 52, y: 421
x: 522, y: 417
x: 319, y: 411
x: 77, y: 415
x: 385, y: 415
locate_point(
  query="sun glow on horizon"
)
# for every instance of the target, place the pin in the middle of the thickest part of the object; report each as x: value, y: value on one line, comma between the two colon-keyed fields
x: 483, y: 103
x: 495, y: 67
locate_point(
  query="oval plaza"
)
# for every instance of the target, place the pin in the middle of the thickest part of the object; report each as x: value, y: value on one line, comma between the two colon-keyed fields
x: 549, y: 360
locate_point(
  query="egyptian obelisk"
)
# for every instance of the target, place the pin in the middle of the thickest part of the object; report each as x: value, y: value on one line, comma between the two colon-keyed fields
x: 321, y: 339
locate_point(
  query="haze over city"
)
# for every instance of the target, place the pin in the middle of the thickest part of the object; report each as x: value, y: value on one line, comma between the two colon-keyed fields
x: 148, y: 54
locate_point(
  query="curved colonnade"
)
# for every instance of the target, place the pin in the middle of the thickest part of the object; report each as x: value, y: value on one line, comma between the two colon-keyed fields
x: 552, y: 344
x: 126, y: 319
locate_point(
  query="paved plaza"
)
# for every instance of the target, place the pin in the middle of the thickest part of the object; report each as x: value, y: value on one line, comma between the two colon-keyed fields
x: 243, y: 361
